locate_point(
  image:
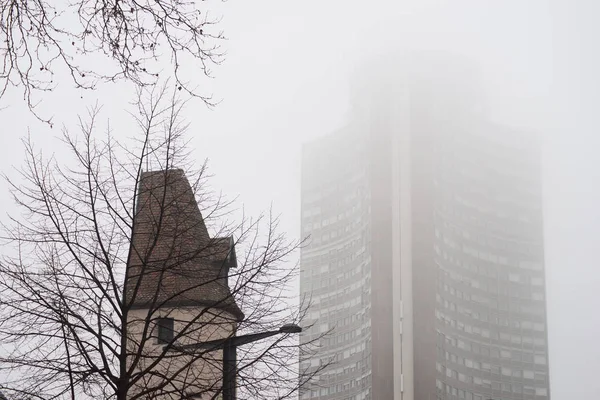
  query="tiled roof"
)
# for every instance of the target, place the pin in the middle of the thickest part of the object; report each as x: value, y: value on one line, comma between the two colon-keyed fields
x: 173, y: 260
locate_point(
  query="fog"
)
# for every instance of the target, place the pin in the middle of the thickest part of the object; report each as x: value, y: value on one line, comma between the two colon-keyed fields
x: 290, y: 76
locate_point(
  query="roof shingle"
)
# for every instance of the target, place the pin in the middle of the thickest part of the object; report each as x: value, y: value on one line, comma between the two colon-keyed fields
x: 173, y: 260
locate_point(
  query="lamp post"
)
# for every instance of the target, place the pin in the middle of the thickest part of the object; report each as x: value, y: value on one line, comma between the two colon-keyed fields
x: 229, y: 347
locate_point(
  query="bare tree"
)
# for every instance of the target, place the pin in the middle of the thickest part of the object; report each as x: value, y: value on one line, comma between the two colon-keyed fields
x: 41, y: 40
x: 118, y: 260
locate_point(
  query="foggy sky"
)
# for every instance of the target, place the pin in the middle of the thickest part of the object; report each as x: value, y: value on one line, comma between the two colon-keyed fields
x: 287, y: 80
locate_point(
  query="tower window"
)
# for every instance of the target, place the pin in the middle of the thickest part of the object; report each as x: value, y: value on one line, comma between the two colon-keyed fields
x: 165, y: 330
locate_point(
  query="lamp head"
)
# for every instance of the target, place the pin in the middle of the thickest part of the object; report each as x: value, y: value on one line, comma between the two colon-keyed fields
x: 290, y: 328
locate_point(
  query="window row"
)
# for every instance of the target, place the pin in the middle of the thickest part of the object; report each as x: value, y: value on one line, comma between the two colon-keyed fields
x: 494, y: 352
x: 449, y: 390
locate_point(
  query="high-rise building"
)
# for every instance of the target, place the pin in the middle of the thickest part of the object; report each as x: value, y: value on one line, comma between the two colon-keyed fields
x: 425, y: 264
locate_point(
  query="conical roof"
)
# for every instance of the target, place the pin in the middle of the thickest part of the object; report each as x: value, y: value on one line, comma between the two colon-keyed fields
x: 173, y: 260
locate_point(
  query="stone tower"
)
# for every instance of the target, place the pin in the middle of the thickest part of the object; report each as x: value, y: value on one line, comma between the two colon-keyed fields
x: 177, y: 290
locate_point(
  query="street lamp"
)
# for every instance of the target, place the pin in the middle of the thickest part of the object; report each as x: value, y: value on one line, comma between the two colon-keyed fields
x: 229, y: 346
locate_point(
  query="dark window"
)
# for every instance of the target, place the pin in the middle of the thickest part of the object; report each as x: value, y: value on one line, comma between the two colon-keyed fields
x: 165, y: 330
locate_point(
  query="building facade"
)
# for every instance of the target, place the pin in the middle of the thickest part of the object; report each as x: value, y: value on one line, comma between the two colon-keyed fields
x: 483, y: 249
x: 337, y: 267
x: 425, y: 264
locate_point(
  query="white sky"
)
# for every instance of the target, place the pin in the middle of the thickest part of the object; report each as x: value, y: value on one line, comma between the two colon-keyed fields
x: 286, y: 80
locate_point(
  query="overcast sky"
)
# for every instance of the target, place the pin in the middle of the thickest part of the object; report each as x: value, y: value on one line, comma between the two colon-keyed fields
x: 286, y: 80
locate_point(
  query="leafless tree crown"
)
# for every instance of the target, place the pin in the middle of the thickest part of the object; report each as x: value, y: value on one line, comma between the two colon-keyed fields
x: 104, y: 40
x: 117, y: 238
